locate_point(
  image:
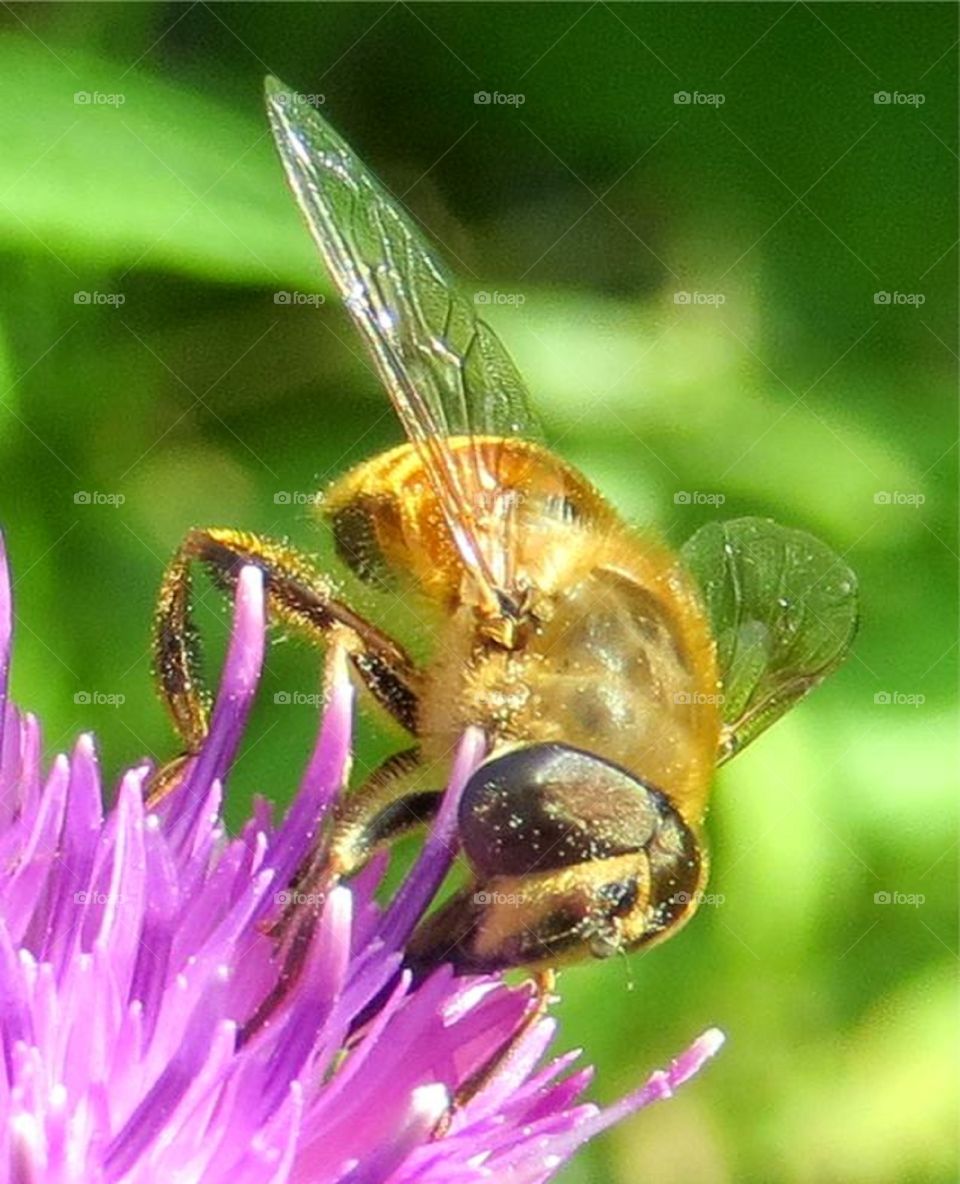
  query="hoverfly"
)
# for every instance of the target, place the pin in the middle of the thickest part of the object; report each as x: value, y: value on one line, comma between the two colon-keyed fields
x: 609, y: 675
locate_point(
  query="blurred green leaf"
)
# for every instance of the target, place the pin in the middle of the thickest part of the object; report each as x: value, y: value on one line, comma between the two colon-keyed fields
x: 130, y: 169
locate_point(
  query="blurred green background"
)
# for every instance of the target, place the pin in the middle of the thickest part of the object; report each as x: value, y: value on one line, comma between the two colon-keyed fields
x: 145, y: 231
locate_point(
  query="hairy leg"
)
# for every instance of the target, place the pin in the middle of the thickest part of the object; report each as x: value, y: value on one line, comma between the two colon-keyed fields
x: 299, y: 597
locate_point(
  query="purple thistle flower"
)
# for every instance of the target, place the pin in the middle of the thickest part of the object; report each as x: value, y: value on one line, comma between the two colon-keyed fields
x: 133, y: 949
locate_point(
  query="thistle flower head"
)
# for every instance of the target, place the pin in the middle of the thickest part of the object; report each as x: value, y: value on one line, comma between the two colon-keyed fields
x: 134, y: 947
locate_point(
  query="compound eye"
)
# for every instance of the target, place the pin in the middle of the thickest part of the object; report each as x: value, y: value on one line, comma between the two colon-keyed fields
x: 549, y: 806
x: 572, y: 856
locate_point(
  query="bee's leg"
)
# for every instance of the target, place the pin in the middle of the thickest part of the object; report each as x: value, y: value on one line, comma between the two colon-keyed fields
x: 391, y: 802
x: 388, y: 804
x: 400, y: 796
x: 299, y: 597
x: 382, y: 808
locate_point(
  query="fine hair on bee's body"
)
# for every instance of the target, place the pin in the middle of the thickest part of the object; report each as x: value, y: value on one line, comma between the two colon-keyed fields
x: 609, y: 649
x: 608, y: 674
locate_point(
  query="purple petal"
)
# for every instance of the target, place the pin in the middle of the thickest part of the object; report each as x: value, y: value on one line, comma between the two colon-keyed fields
x: 241, y: 674
x: 133, y: 949
x: 6, y: 630
x: 439, y: 851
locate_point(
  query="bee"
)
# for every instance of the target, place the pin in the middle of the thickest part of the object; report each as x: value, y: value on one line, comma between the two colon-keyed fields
x: 609, y: 674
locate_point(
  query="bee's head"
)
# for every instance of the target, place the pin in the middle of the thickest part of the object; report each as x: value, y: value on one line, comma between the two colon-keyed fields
x: 572, y: 856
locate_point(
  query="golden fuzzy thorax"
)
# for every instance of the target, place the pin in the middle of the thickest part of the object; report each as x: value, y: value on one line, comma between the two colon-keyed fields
x: 611, y: 652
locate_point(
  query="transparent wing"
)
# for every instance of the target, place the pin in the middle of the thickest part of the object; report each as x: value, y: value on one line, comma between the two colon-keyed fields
x: 783, y: 608
x: 444, y: 368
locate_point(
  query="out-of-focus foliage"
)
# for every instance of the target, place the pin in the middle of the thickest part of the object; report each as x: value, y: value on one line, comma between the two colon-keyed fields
x: 750, y: 299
